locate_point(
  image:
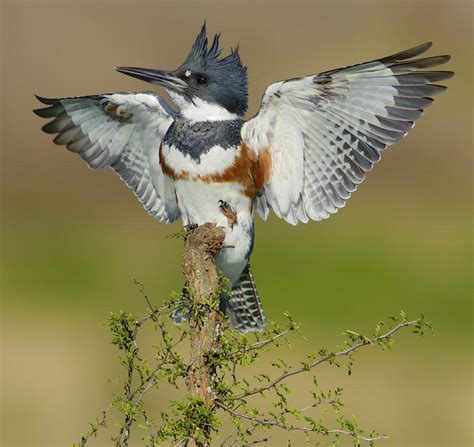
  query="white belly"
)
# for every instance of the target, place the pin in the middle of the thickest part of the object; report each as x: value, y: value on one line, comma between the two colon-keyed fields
x: 199, y: 203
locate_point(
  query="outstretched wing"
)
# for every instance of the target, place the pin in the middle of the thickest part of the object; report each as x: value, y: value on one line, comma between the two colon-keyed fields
x: 325, y: 131
x: 121, y: 131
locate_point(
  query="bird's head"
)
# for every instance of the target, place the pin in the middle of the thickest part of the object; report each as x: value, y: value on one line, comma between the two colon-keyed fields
x: 204, y: 79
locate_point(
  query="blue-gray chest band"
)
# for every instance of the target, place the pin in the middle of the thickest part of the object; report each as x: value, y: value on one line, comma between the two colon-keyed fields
x: 196, y: 139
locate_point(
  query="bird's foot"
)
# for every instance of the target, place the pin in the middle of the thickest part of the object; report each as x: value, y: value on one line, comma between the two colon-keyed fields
x: 228, y: 212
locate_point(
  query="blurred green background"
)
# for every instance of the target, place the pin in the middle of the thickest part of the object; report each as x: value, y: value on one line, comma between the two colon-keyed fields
x: 72, y: 239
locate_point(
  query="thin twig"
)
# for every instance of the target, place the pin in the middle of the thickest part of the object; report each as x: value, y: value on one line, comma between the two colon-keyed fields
x: 141, y: 289
x: 260, y: 344
x: 316, y: 404
x: 95, y: 427
x: 275, y: 423
x: 257, y: 441
x: 152, y: 376
x: 326, y: 358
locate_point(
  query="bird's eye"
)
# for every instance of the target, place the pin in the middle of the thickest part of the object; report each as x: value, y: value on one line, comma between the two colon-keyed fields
x: 201, y: 79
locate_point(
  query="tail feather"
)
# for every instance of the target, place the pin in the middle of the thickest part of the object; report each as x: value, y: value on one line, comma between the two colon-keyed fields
x: 244, y: 308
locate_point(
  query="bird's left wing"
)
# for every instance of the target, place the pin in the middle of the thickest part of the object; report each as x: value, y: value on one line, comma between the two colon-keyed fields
x: 323, y: 132
x: 121, y: 131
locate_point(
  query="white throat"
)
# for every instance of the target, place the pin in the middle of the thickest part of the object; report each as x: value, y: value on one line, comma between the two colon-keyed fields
x: 199, y: 110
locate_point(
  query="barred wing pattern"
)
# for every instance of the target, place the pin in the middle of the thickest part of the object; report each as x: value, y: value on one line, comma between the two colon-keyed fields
x: 122, y: 132
x: 325, y: 131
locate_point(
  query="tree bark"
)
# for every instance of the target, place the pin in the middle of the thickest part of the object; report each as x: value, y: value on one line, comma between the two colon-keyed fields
x: 200, y: 247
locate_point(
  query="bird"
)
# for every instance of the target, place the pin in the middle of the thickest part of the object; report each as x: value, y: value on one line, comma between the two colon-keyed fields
x: 302, y: 155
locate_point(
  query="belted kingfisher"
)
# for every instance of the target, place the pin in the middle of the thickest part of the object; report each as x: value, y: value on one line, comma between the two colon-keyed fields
x: 302, y: 155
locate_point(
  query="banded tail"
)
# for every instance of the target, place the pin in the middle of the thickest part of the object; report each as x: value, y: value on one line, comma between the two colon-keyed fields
x: 244, y: 308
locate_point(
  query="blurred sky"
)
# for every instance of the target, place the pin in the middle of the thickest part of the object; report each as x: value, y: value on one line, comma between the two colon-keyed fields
x: 72, y: 239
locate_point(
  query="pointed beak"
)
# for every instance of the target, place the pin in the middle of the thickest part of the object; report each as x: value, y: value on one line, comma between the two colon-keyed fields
x: 157, y: 77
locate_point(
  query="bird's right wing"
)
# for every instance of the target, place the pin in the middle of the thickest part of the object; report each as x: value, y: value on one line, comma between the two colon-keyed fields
x: 121, y: 131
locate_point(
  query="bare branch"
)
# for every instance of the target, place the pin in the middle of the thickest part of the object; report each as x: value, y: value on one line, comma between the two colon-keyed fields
x: 201, y: 245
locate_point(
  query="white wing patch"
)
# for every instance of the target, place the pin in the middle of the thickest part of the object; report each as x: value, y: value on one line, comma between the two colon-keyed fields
x: 326, y: 131
x: 122, y: 132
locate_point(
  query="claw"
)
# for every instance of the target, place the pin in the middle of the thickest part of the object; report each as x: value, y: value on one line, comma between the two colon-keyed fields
x: 228, y: 212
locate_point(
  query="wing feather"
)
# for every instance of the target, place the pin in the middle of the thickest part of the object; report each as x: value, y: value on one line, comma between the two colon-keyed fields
x: 327, y: 130
x: 122, y: 132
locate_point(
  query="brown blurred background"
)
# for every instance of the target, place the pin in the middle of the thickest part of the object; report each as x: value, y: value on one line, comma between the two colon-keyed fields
x: 72, y: 239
